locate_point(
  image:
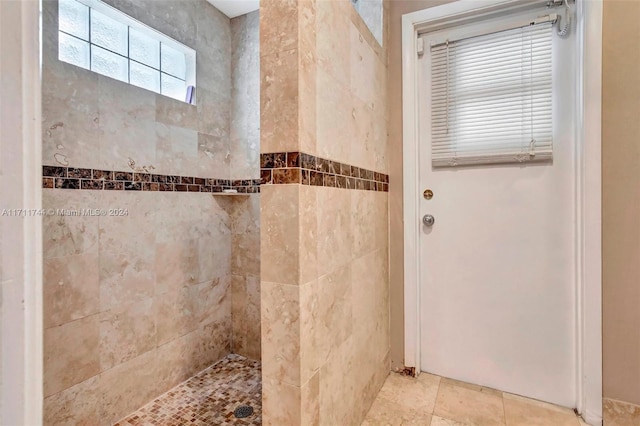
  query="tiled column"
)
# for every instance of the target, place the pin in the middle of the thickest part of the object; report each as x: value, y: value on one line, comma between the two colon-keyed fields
x: 324, y: 307
x: 280, y: 216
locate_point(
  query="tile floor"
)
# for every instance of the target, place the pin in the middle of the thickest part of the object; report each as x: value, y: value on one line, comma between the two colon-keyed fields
x: 208, y: 398
x: 434, y: 401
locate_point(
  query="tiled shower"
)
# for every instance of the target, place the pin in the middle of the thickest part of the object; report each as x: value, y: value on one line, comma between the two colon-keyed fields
x: 239, y: 255
x: 162, y: 280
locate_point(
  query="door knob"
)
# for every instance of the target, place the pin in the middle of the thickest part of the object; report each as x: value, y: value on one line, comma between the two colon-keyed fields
x: 428, y: 220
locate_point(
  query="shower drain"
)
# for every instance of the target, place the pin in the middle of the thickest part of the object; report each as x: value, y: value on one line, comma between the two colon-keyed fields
x: 243, y: 411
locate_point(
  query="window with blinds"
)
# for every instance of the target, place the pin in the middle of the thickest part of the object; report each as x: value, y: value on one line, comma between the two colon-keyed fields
x: 492, y: 97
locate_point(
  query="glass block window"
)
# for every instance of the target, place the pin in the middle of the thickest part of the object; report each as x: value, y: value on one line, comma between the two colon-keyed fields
x: 95, y: 36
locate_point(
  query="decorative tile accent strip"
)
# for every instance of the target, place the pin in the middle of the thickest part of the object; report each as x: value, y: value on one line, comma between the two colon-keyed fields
x: 75, y: 178
x: 296, y: 167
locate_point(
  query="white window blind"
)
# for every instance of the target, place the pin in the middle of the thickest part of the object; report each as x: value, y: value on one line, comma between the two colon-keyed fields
x: 492, y: 97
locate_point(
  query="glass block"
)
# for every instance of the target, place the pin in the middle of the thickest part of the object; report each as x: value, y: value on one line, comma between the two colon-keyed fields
x: 108, y: 33
x: 109, y: 64
x: 73, y: 18
x: 173, y: 62
x: 73, y: 50
x: 173, y: 87
x: 143, y: 76
x: 144, y: 49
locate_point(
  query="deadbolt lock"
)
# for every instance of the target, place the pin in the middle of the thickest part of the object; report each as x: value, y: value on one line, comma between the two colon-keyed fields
x: 428, y: 194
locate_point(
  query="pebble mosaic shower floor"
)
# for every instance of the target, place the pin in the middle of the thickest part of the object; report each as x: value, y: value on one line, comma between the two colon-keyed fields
x: 208, y: 398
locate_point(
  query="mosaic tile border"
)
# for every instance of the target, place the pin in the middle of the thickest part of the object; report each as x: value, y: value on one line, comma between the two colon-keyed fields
x: 79, y: 178
x: 296, y: 167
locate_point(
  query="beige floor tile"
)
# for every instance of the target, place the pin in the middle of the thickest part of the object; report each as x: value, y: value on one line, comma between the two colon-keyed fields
x: 411, y: 393
x: 469, y: 405
x: 387, y: 413
x: 521, y: 411
x: 471, y: 386
x: 439, y: 421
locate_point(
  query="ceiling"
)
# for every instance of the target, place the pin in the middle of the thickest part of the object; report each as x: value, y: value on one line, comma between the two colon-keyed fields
x: 233, y: 8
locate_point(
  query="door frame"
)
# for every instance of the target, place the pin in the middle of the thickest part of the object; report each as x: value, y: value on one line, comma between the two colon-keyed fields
x: 588, y: 202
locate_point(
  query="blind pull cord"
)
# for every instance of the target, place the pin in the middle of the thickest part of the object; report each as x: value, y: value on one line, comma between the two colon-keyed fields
x: 532, y: 144
x: 447, y: 116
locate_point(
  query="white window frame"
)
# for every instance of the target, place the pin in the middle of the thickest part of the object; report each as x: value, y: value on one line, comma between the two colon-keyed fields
x: 588, y: 184
x: 482, y: 28
x: 121, y: 17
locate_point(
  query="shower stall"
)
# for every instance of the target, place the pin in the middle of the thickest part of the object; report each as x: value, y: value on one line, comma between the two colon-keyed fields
x: 152, y: 250
x: 216, y: 250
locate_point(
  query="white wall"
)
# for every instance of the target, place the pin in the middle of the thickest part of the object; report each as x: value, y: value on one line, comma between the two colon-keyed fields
x: 20, y: 237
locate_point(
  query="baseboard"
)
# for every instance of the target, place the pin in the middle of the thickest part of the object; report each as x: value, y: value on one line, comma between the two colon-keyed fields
x: 619, y: 413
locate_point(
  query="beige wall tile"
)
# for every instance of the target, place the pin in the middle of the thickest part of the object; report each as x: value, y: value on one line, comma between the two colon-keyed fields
x: 78, y: 405
x: 337, y: 386
x: 180, y: 354
x: 214, y: 156
x: 127, y: 125
x: 68, y: 235
x: 366, y: 221
x: 280, y: 319
x: 313, y: 351
x: 173, y: 112
x: 335, y: 321
x: 213, y: 111
x: 176, y: 150
x: 71, y: 354
x: 213, y: 341
x: 332, y: 32
x: 176, y: 265
x: 214, y: 257
x: 307, y: 88
x: 310, y: 401
x: 308, y: 234
x: 279, y: 102
x: 245, y: 253
x: 129, y: 386
x: 334, y: 118
x: 70, y: 116
x: 245, y: 314
x: 279, y: 239
x: 334, y: 233
x: 213, y: 301
x: 281, y: 403
x: 174, y: 313
x: 278, y: 26
x: 366, y: 81
x: 126, y: 332
x: 71, y: 288
x: 125, y: 278
x: 245, y: 96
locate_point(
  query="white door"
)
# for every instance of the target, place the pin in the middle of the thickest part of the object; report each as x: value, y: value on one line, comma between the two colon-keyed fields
x: 498, y: 265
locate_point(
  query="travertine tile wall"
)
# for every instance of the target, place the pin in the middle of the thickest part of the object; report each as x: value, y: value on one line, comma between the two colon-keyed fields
x: 245, y: 164
x: 245, y: 96
x: 324, y: 266
x: 135, y: 304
